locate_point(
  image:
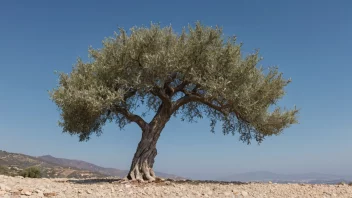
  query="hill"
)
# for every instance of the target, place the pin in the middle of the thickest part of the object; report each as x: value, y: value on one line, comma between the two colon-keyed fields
x: 52, y: 167
x: 82, y: 165
x: 92, y: 167
x: 14, y: 163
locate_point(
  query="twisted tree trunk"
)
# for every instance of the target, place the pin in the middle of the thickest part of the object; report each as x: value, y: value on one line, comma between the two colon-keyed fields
x: 143, y: 160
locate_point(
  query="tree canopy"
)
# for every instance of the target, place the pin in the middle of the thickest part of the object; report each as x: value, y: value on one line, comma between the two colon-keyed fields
x: 196, y: 73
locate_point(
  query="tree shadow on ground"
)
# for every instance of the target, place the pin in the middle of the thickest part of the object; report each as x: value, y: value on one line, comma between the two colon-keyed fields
x: 160, y: 182
x: 208, y: 182
x: 93, y: 181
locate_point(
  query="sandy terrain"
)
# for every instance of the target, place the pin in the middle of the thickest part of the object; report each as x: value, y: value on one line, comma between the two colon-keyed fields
x: 26, y: 187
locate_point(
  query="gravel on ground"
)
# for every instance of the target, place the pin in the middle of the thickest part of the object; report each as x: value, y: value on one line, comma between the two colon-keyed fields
x: 92, y: 188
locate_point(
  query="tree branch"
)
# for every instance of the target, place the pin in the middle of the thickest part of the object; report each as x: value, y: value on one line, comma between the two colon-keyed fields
x: 196, y: 98
x: 161, y: 94
x: 129, y: 94
x: 181, y: 86
x: 162, y: 115
x: 168, y: 89
x: 131, y: 117
x: 171, y: 78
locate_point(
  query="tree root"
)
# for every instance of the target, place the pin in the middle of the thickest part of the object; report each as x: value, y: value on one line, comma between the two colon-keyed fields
x: 142, y: 173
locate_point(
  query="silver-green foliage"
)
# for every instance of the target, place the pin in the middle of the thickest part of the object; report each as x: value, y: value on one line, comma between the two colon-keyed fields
x: 199, y: 72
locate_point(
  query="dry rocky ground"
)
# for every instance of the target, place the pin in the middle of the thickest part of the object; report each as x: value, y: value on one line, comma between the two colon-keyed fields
x: 26, y: 187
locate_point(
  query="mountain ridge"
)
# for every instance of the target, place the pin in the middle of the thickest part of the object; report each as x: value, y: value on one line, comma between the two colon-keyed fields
x: 53, y: 167
x: 61, y: 167
x: 14, y: 163
x: 80, y: 164
x: 92, y: 167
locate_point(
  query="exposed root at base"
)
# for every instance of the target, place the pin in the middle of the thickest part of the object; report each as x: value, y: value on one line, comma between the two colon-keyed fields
x: 142, y: 173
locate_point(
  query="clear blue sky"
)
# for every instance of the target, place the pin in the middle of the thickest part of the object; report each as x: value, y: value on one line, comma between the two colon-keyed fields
x: 310, y: 41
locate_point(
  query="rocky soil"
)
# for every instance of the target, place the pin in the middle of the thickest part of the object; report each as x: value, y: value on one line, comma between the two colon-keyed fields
x: 26, y: 187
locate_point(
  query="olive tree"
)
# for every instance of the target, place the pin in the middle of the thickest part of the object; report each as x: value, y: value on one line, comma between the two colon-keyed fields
x: 192, y: 74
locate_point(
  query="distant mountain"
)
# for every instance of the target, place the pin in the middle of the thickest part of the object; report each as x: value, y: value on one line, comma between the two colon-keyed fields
x: 14, y: 163
x: 264, y: 176
x: 92, y: 167
x: 83, y: 165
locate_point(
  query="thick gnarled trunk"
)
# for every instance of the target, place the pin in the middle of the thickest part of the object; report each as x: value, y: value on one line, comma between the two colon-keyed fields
x: 143, y: 160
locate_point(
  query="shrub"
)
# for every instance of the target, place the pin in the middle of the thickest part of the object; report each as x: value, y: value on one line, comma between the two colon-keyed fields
x: 32, y: 172
x: 4, y: 170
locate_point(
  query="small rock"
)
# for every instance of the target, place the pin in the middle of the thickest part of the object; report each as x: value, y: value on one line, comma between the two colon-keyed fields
x: 166, y: 192
x: 227, y: 193
x: 4, y: 187
x: 270, y: 182
x: 167, y: 182
x: 52, y: 194
x: 120, y: 190
x: 2, y: 192
x: 244, y: 193
x: 89, y: 192
x: 26, y: 192
x: 40, y: 194
x: 197, y: 193
x: 128, y: 186
x: 15, y: 192
x: 327, y: 193
x: 235, y: 192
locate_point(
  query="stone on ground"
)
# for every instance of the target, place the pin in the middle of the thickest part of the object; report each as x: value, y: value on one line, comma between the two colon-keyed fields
x: 26, y: 187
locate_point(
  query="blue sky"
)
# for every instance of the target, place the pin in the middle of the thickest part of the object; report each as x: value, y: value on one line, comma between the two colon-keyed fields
x: 310, y: 41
